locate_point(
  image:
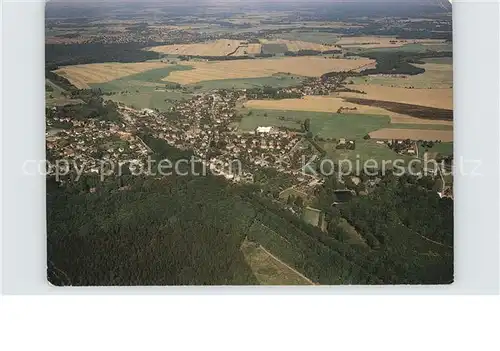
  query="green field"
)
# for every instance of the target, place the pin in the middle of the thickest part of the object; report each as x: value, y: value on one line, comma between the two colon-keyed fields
x: 332, y: 126
x: 422, y: 126
x: 148, y: 97
x: 150, y: 78
x: 417, y: 48
x: 55, y: 95
x: 445, y: 149
x: 274, y: 48
x: 311, y: 216
x: 275, y: 81
x: 439, y: 60
x: 145, y: 89
x: 430, y: 79
x: 323, y: 124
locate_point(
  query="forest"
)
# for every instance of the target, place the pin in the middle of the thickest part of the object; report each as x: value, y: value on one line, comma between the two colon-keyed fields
x: 179, y: 230
x: 76, y: 54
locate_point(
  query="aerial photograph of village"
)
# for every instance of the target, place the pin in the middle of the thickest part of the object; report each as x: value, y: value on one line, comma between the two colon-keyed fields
x: 226, y: 142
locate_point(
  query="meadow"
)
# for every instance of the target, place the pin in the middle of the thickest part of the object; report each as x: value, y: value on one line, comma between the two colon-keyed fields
x: 325, y: 125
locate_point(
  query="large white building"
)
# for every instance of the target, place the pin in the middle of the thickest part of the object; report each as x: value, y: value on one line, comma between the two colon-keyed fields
x: 265, y: 130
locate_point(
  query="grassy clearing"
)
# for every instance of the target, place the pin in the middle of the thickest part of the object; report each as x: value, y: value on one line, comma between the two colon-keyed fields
x: 354, y: 238
x: 267, y: 269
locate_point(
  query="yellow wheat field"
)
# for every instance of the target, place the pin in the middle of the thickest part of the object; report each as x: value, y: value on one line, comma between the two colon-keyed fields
x: 83, y: 75
x: 333, y: 104
x: 222, y: 47
x: 413, y: 134
x: 437, y: 98
x: 248, y: 49
x: 302, y: 66
x: 296, y: 45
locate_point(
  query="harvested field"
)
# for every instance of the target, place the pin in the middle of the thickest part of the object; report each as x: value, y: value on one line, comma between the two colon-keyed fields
x: 301, y: 66
x: 412, y: 134
x: 407, y: 109
x: 296, y: 45
x: 437, y: 98
x: 222, y: 47
x: 372, y: 42
x: 248, y: 49
x: 83, y: 75
x: 333, y: 104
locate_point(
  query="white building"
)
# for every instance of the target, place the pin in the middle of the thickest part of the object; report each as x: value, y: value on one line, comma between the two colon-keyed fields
x: 265, y: 130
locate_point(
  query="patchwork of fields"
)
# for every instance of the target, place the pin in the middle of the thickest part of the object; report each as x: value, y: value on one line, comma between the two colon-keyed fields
x: 222, y: 47
x: 83, y: 75
x: 438, y: 75
x: 227, y: 47
x: 332, y: 104
x: 371, y: 42
x: 436, y: 98
x: 308, y: 66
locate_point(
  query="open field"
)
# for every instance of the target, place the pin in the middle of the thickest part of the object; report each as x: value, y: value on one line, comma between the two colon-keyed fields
x: 151, y: 78
x: 222, y: 47
x: 439, y: 60
x: 413, y: 134
x: 55, y: 95
x: 276, y: 81
x: 331, y: 104
x: 354, y: 238
x: 267, y: 269
x: 248, y: 49
x: 326, y: 125
x: 440, y: 148
x: 301, y: 66
x: 436, y: 76
x: 436, y: 98
x: 149, y: 98
x: 309, y: 36
x: 372, y: 42
x: 83, y: 75
x: 296, y: 45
